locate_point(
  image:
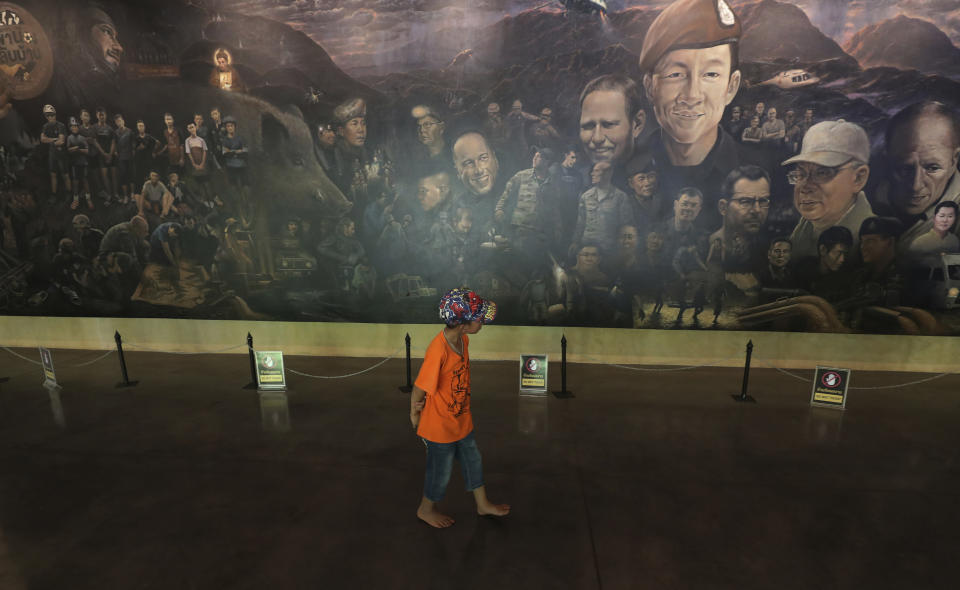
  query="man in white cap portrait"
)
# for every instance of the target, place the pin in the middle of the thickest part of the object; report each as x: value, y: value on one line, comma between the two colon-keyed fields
x: 828, y: 177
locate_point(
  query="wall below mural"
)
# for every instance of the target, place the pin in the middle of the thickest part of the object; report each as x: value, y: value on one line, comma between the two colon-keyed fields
x: 695, y: 164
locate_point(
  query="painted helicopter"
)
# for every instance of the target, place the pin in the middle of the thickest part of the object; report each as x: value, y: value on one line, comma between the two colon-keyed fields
x: 582, y: 6
x: 586, y: 6
x: 791, y: 79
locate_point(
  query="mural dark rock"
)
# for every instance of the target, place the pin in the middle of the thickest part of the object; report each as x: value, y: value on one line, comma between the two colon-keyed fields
x: 906, y: 43
x: 779, y: 30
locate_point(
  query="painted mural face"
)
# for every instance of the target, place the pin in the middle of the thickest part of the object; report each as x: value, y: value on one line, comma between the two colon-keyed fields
x: 644, y: 184
x: 689, y: 90
x: 433, y: 190
x: 430, y: 131
x: 834, y: 258
x: 654, y: 242
x: 354, y: 131
x: 826, y: 202
x: 600, y: 173
x: 328, y: 137
x: 875, y: 248
x: 588, y: 258
x: 924, y: 159
x: 944, y: 219
x: 748, y: 207
x: 687, y: 207
x: 476, y: 163
x: 779, y: 254
x: 606, y: 130
x: 105, y: 40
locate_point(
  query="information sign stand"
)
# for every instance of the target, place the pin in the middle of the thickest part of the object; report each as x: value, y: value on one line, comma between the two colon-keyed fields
x: 533, y: 374
x: 830, y: 388
x: 270, y: 373
x: 49, y: 374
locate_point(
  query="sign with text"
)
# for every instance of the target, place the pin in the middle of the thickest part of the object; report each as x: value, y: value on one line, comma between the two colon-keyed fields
x: 270, y: 374
x: 49, y: 375
x: 533, y: 374
x: 830, y: 387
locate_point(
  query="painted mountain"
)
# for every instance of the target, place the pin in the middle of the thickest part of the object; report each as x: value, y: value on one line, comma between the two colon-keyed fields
x: 779, y: 30
x: 524, y: 38
x: 907, y: 44
x: 772, y: 31
x: 276, y: 56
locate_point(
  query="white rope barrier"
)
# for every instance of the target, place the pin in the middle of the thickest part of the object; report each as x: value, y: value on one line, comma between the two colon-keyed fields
x: 96, y: 360
x: 20, y: 356
x: 148, y: 349
x: 897, y: 386
x: 368, y: 369
x: 666, y: 370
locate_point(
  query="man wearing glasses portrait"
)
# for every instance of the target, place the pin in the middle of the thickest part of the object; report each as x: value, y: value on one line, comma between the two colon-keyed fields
x: 828, y: 176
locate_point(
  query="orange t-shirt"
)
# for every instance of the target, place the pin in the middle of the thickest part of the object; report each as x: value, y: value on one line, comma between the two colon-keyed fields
x: 445, y: 376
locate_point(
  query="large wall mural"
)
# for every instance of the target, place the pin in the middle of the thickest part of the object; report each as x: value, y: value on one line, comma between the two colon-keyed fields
x: 696, y: 164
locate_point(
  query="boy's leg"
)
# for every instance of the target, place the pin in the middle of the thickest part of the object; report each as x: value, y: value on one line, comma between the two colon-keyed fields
x: 471, y: 464
x: 439, y: 465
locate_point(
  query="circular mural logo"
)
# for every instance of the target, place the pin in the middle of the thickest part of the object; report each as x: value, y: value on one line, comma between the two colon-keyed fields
x: 26, y: 58
x: 533, y: 365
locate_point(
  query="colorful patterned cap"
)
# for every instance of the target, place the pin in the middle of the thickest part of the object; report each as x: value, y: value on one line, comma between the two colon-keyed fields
x: 460, y: 306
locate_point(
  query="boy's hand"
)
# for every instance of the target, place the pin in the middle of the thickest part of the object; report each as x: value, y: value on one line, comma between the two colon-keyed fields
x: 415, y: 412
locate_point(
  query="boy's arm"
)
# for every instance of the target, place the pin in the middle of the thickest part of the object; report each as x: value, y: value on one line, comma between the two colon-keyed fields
x: 417, y: 400
x: 416, y: 405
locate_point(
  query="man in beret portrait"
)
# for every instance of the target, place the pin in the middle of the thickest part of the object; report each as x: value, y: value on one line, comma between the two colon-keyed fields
x: 690, y: 62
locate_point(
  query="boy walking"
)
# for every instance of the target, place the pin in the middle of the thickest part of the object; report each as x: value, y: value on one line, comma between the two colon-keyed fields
x: 443, y: 420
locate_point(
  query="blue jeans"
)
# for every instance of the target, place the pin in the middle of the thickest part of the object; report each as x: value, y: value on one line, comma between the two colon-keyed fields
x: 440, y: 458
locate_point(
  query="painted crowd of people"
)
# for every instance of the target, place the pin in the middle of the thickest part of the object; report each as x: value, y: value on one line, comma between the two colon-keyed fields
x: 667, y: 192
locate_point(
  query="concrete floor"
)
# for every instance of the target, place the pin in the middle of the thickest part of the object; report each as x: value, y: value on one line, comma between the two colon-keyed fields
x: 642, y: 481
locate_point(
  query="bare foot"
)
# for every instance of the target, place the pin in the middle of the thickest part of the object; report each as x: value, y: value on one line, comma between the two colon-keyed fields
x: 493, y: 509
x: 434, y: 518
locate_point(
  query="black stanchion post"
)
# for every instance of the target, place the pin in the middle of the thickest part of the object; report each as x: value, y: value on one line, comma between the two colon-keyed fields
x: 409, y: 386
x: 123, y: 362
x: 564, y: 392
x: 253, y: 364
x: 743, y: 397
